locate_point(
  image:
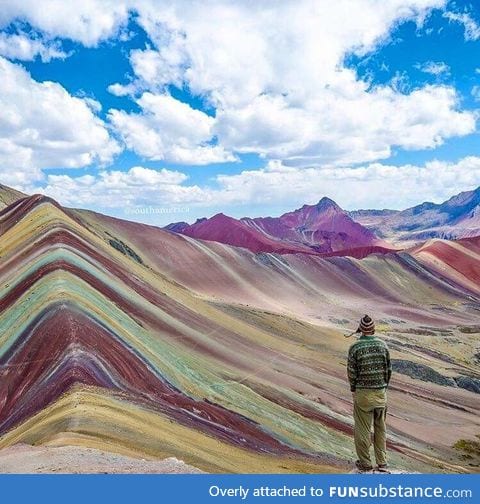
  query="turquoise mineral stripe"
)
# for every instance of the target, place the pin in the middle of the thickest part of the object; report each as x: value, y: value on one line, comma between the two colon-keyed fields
x: 178, y: 367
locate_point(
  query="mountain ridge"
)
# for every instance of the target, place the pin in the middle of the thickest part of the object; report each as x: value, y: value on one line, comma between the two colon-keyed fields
x: 8, y: 195
x: 457, y: 217
x: 323, y: 229
x: 326, y: 229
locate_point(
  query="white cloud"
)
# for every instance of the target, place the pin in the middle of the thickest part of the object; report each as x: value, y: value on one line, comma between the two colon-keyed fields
x: 471, y: 27
x: 165, y: 66
x: 280, y: 88
x: 169, y: 130
x: 241, y: 50
x: 120, y: 190
x: 433, y: 68
x: 274, y: 74
x: 476, y: 93
x: 140, y: 176
x: 87, y: 21
x: 374, y: 185
x: 121, y: 90
x: 43, y: 126
x: 22, y: 47
x: 344, y: 125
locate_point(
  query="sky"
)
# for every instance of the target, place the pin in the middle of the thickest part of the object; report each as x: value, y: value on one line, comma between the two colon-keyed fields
x: 162, y: 111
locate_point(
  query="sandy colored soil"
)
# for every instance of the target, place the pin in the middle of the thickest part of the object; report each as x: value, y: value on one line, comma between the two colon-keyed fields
x: 390, y: 471
x: 27, y: 459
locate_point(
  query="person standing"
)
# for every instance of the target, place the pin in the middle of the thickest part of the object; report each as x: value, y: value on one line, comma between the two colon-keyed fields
x: 369, y: 371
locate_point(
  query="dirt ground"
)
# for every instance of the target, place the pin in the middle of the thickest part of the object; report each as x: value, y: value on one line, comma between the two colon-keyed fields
x: 26, y: 459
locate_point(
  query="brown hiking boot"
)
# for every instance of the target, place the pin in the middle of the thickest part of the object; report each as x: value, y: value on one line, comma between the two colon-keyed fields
x: 361, y: 467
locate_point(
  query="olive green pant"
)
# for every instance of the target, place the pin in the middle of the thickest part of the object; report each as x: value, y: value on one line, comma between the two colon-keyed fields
x: 370, y: 405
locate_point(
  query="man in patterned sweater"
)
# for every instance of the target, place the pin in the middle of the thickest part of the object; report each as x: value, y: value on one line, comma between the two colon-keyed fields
x: 369, y: 371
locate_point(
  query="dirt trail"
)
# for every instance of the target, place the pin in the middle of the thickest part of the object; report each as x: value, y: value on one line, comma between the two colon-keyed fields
x: 26, y: 459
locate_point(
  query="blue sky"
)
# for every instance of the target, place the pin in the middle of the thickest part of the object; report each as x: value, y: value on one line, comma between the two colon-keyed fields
x: 164, y: 111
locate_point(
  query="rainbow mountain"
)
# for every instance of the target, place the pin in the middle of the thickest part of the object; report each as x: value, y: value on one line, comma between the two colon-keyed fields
x: 139, y: 341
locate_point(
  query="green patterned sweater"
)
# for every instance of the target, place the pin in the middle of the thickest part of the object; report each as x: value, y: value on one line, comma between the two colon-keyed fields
x: 369, y: 365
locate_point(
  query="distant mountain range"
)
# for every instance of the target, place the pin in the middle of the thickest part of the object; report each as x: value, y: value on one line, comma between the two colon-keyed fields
x: 323, y: 229
x: 459, y: 217
x: 326, y: 229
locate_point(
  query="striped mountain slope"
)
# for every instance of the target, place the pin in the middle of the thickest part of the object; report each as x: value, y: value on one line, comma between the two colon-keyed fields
x: 9, y: 196
x: 130, y: 339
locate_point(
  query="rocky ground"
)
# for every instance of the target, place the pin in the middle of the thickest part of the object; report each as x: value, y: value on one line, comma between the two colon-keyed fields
x: 28, y: 459
x: 390, y: 471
